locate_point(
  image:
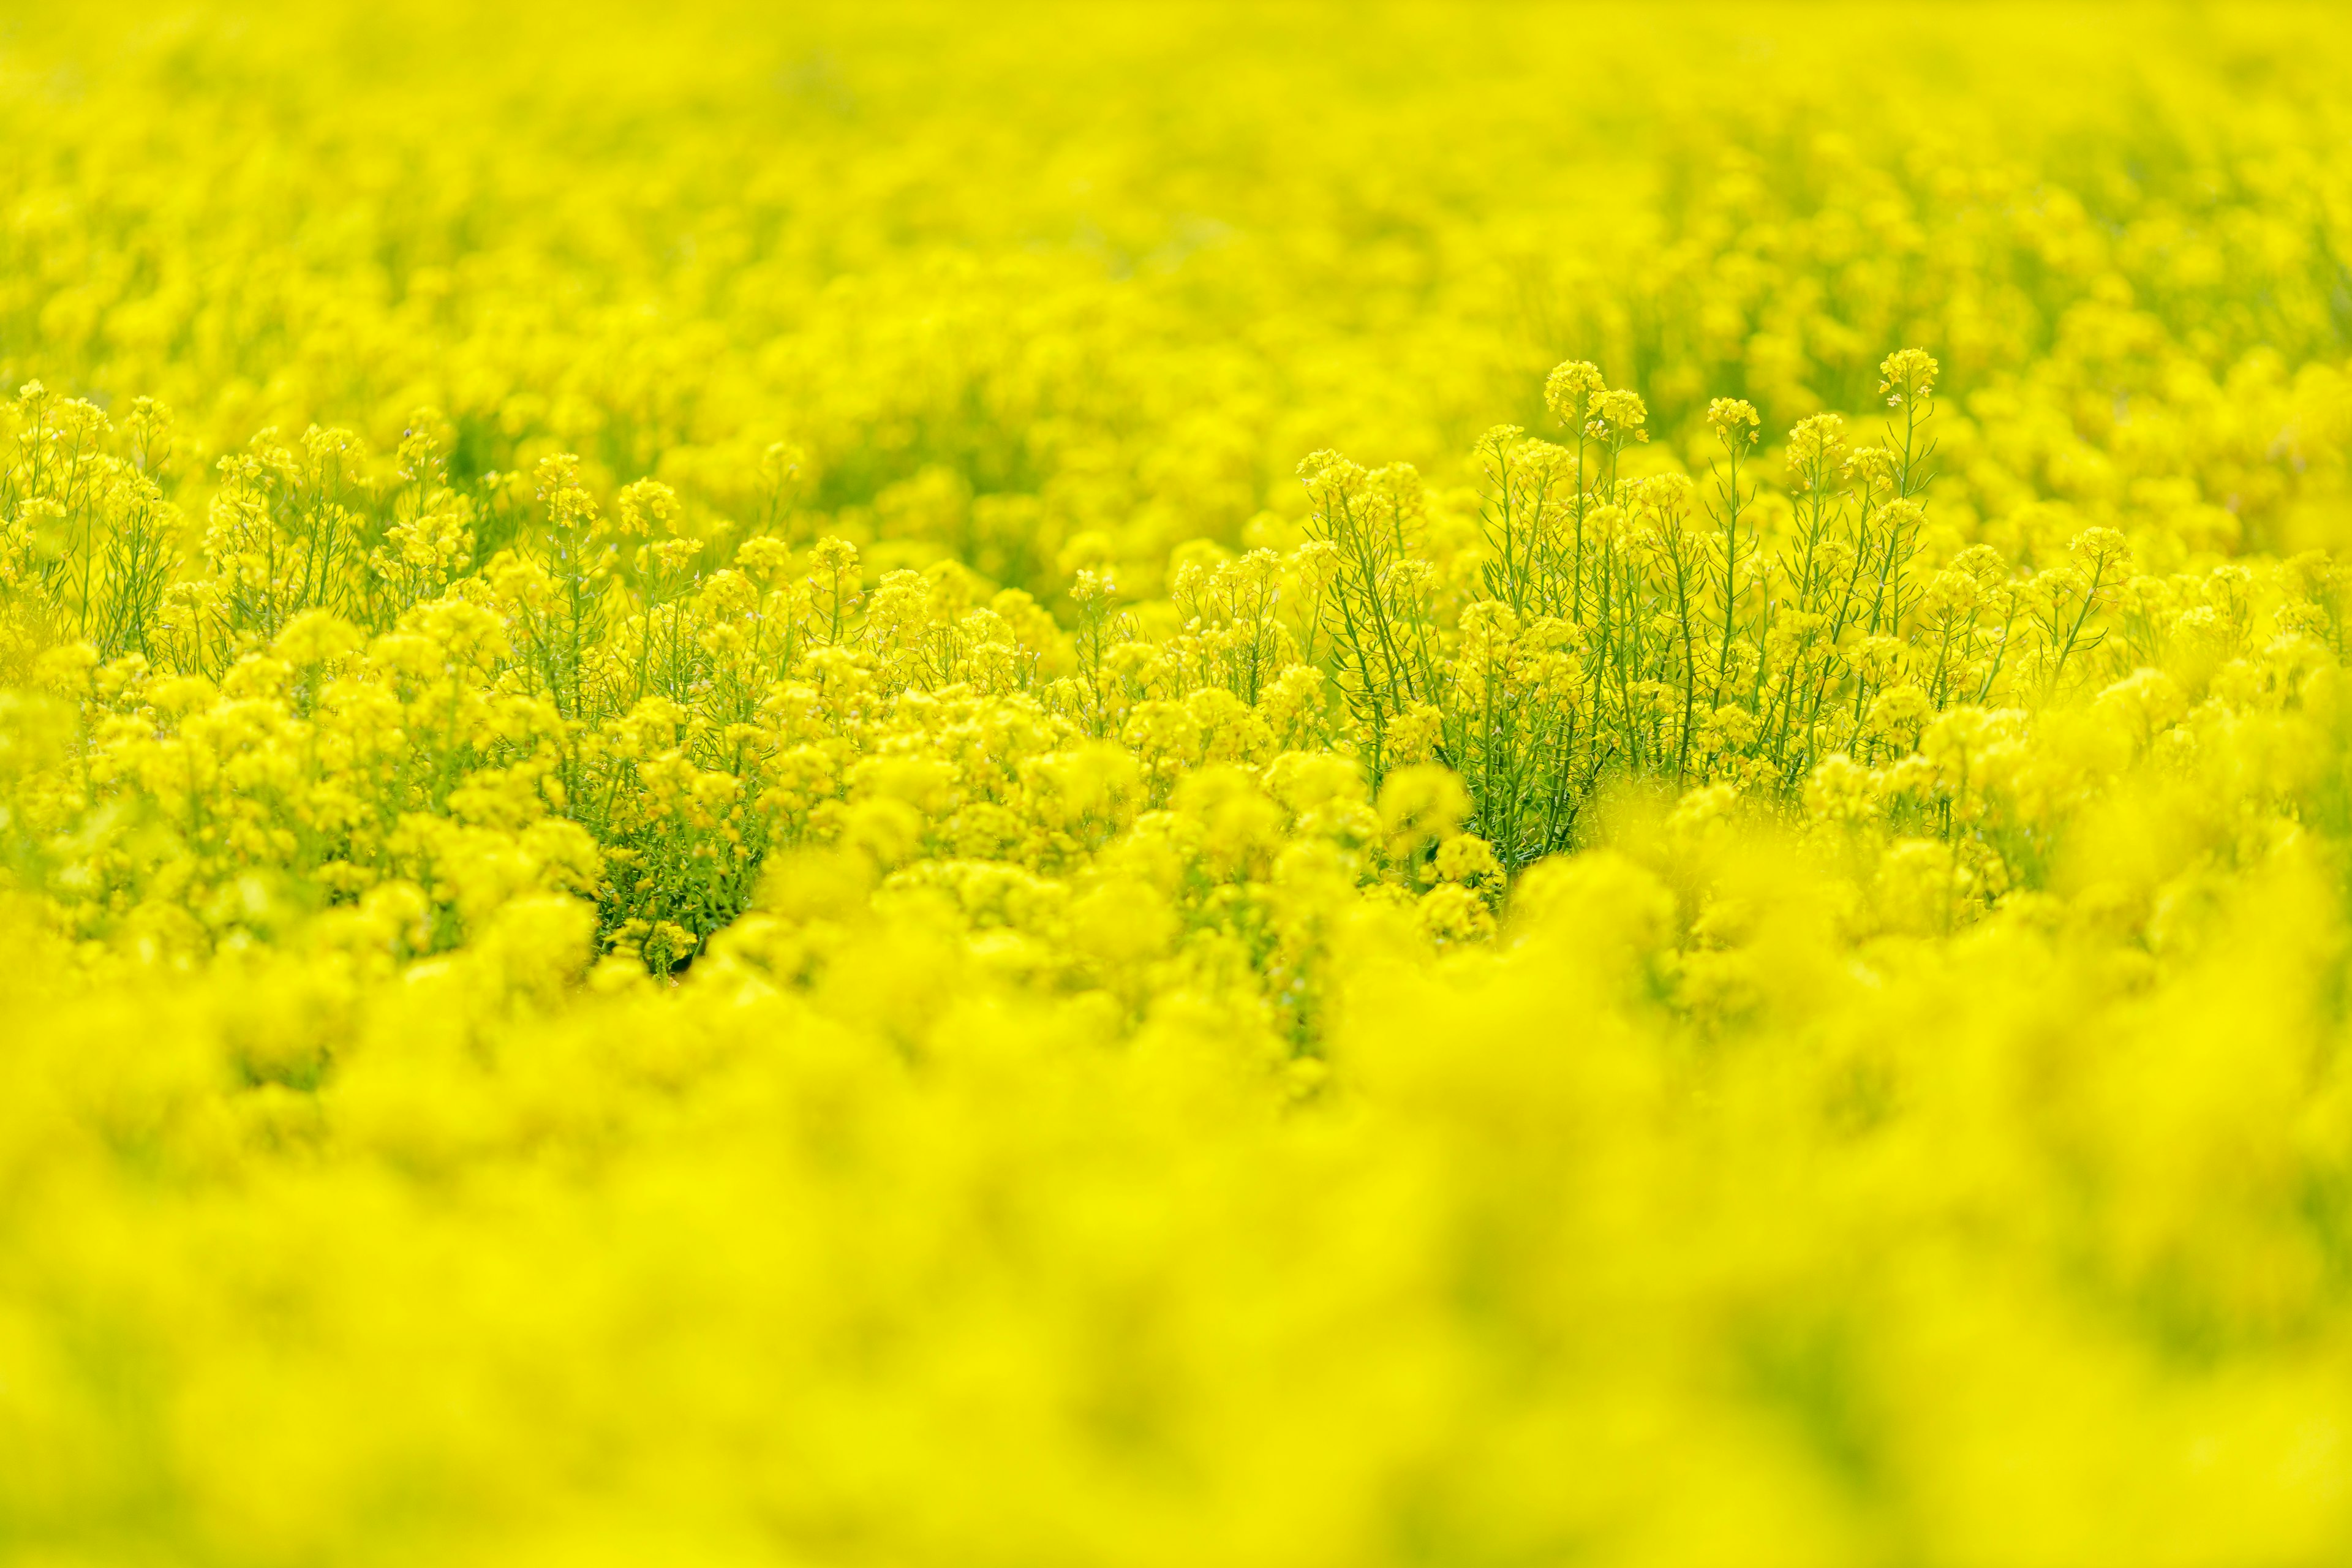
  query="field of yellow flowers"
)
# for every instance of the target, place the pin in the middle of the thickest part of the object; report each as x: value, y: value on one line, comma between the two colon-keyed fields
x: 1175, y: 786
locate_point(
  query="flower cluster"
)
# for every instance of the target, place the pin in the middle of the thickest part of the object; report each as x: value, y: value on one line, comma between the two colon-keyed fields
x: 716, y: 853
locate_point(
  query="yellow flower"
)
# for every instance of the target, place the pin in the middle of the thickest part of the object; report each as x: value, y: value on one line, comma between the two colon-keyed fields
x: 1734, y: 421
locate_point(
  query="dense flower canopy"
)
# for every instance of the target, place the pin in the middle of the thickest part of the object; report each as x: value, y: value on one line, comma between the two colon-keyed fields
x: 1176, y: 784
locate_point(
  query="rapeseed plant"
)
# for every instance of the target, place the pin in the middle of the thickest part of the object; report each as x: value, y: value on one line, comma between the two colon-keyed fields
x: 718, y: 855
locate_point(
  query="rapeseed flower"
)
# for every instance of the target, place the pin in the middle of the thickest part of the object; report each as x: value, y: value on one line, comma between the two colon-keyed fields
x: 715, y: 854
